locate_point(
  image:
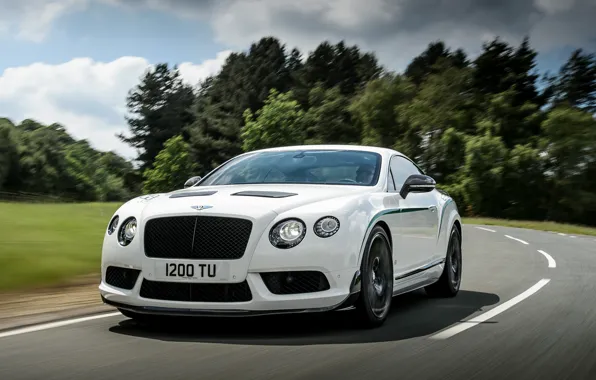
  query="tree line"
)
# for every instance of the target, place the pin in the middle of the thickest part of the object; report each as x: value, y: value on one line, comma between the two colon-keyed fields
x: 502, y: 139
x: 46, y: 160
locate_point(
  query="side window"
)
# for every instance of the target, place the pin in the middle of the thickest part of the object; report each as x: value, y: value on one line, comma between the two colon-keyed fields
x: 390, y: 183
x: 402, y: 169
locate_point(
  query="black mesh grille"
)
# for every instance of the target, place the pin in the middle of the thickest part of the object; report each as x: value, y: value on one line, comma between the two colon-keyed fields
x: 123, y: 278
x: 197, y: 237
x: 193, y: 292
x: 295, y: 282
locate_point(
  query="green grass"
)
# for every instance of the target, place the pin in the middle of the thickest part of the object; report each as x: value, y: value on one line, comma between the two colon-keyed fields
x: 46, y: 244
x: 542, y: 226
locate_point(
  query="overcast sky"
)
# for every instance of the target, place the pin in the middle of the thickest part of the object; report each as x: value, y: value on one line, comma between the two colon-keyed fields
x: 73, y: 61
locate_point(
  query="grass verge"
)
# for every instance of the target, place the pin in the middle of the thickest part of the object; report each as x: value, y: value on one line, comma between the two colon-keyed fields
x: 48, y: 244
x: 51, y: 244
x: 541, y: 226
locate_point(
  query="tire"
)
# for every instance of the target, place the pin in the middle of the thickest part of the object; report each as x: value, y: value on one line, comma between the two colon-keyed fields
x: 450, y: 280
x: 376, y: 294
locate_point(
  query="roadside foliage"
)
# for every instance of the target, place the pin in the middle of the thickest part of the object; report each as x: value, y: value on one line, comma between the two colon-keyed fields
x: 504, y: 140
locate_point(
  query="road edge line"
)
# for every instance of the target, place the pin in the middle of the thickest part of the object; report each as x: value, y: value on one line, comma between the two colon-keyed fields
x: 54, y: 324
x: 465, y: 325
x: 520, y: 240
x: 551, y: 261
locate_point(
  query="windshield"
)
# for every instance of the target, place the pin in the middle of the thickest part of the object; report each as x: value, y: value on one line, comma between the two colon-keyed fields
x: 329, y: 167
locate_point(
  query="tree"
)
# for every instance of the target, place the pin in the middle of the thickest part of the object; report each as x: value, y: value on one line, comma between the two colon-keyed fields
x: 172, y: 167
x: 45, y: 159
x: 376, y: 110
x: 122, y: 168
x: 479, y: 127
x: 279, y: 123
x: 433, y: 60
x: 570, y: 136
x: 443, y: 113
x: 483, y: 175
x: 244, y: 82
x: 160, y: 106
x: 575, y: 84
x: 514, y: 123
x: 81, y: 166
x: 328, y: 120
x: 525, y: 183
x: 340, y: 66
x: 500, y: 68
x: 8, y: 152
x: 43, y: 167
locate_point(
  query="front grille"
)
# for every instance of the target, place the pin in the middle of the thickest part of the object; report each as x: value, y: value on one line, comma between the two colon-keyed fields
x: 197, y: 237
x: 193, y: 292
x: 123, y: 278
x: 295, y: 282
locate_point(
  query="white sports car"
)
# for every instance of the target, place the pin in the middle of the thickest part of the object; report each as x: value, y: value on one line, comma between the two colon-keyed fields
x: 286, y: 230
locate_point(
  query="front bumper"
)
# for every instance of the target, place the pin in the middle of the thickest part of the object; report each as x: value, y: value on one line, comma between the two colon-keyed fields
x: 344, y: 287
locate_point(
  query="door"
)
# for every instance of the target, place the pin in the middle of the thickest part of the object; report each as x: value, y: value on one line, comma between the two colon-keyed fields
x: 416, y: 223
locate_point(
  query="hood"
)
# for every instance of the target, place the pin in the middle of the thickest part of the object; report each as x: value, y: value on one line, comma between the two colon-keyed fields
x: 251, y: 200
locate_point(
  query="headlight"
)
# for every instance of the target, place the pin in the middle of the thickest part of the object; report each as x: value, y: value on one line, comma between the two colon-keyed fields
x: 127, y: 231
x: 326, y: 226
x: 113, y: 225
x: 287, y: 233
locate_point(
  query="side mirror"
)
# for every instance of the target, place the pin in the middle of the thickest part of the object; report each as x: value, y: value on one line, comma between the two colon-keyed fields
x: 192, y: 181
x: 417, y: 183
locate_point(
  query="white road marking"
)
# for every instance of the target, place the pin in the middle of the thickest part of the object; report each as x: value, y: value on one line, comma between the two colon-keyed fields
x: 486, y: 229
x: 463, y: 326
x: 572, y: 236
x: 52, y: 325
x: 551, y: 261
x: 521, y: 241
x: 562, y: 234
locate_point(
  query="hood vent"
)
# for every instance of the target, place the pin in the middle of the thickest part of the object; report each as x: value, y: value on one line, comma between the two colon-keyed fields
x: 264, y: 194
x: 193, y: 194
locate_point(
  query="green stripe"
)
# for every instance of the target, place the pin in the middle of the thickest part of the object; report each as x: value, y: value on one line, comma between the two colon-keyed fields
x: 395, y: 211
x: 413, y: 209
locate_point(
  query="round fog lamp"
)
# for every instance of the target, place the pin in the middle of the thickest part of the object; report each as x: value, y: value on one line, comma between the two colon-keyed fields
x: 127, y: 231
x: 326, y: 226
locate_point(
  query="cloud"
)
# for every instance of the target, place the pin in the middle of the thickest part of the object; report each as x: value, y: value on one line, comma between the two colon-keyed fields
x: 195, y: 73
x: 554, y: 6
x: 33, y: 19
x: 397, y: 30
x: 87, y: 97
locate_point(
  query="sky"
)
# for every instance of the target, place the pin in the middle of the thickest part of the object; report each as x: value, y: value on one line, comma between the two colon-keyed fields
x: 74, y: 61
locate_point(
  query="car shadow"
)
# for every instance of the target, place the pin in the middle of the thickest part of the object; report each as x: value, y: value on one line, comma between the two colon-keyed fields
x: 412, y: 315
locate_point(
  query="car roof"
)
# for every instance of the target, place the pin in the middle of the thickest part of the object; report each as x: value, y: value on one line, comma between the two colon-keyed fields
x: 365, y: 148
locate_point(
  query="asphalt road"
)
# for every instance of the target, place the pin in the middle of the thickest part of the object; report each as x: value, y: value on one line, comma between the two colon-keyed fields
x: 521, y: 314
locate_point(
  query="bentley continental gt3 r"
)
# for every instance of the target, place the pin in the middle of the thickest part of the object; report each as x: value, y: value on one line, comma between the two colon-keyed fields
x: 286, y: 230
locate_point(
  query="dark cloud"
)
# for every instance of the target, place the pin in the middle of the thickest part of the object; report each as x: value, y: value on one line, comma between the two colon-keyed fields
x: 396, y: 29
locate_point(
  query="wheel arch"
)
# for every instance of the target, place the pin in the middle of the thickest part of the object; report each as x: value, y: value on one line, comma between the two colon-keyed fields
x: 364, y: 238
x: 457, y: 224
x: 385, y: 227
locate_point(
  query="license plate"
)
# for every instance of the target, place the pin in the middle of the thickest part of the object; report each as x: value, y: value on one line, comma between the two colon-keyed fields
x: 193, y: 271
